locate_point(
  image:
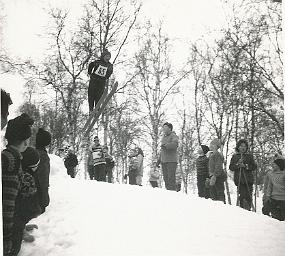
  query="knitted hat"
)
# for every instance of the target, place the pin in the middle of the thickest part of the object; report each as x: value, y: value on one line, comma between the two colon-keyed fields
x: 205, y: 149
x: 30, y: 159
x: 104, y: 53
x: 280, y: 161
x: 216, y: 142
x: 19, y: 128
x: 169, y: 125
x: 43, y: 138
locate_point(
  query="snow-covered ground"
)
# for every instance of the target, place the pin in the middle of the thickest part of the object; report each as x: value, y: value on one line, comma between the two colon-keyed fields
x: 89, y: 218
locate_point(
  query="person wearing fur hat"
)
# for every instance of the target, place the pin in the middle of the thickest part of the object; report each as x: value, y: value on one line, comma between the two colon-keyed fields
x: 18, y: 133
x: 243, y: 165
x: 43, y: 139
x: 169, y: 156
x: 275, y: 190
x: 202, y: 171
x: 216, y: 172
x: 5, y: 103
x: 27, y: 204
x: 99, y: 71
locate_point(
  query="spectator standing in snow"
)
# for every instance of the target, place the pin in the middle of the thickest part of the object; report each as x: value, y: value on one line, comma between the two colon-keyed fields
x: 140, y: 157
x: 18, y: 133
x: 99, y: 71
x: 154, y: 175
x: 216, y: 172
x: 133, y: 167
x: 5, y: 102
x: 168, y: 157
x: 243, y: 165
x: 27, y: 204
x: 275, y: 191
x: 98, y: 160
x: 178, y: 179
x: 109, y: 164
x: 70, y: 163
x: 43, y: 139
x: 202, y: 168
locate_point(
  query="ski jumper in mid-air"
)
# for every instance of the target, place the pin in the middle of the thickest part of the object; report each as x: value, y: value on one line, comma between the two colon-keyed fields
x: 99, y: 71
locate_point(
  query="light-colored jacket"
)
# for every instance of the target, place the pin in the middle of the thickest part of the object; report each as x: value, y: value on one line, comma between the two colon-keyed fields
x: 169, y: 145
x: 276, y: 185
x: 216, y: 164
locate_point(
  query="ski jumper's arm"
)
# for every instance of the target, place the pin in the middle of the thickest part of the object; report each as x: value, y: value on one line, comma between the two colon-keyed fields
x: 109, y: 71
x: 251, y: 163
x: 269, y: 187
x: 90, y: 67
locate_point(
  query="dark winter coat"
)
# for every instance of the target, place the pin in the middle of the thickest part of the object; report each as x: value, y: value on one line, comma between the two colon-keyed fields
x: 202, y: 166
x: 70, y: 161
x: 245, y: 174
x: 27, y: 202
x: 100, y: 70
x: 42, y: 174
x: 109, y: 161
x: 11, y: 173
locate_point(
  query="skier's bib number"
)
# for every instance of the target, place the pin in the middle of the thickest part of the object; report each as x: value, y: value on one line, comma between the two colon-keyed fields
x: 101, y: 71
x: 96, y: 155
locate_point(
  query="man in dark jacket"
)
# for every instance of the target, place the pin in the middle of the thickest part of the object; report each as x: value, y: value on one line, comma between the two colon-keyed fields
x: 243, y: 166
x: 43, y: 139
x: 70, y: 162
x: 99, y: 71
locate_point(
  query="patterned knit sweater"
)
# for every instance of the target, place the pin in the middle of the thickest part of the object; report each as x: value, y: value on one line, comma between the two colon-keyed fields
x: 11, y: 176
x: 276, y: 185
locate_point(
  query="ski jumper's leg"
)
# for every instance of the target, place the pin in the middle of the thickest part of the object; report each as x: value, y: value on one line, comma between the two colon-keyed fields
x: 100, y: 86
x: 91, y: 93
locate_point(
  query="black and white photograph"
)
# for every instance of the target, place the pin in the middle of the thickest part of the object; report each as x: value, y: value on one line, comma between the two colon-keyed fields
x: 142, y: 128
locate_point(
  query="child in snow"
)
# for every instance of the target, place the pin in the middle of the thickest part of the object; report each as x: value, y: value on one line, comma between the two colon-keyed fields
x: 27, y: 204
x: 178, y: 179
x: 154, y: 175
x: 202, y: 171
x: 43, y: 139
x: 243, y: 166
x: 133, y: 167
x: 99, y: 71
x: 275, y: 191
x: 109, y: 164
x: 70, y: 163
x: 18, y: 133
x: 216, y: 172
x: 5, y: 102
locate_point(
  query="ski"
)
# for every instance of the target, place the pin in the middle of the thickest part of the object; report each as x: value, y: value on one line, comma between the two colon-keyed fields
x: 98, y: 113
x: 97, y: 107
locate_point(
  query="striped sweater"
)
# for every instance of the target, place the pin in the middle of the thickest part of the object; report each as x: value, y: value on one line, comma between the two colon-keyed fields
x: 11, y: 175
x: 98, y: 155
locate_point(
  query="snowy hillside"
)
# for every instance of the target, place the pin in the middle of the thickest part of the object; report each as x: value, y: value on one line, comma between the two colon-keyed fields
x: 88, y: 218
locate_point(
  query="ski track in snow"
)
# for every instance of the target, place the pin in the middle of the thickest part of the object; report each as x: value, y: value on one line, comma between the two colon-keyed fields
x: 89, y: 218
